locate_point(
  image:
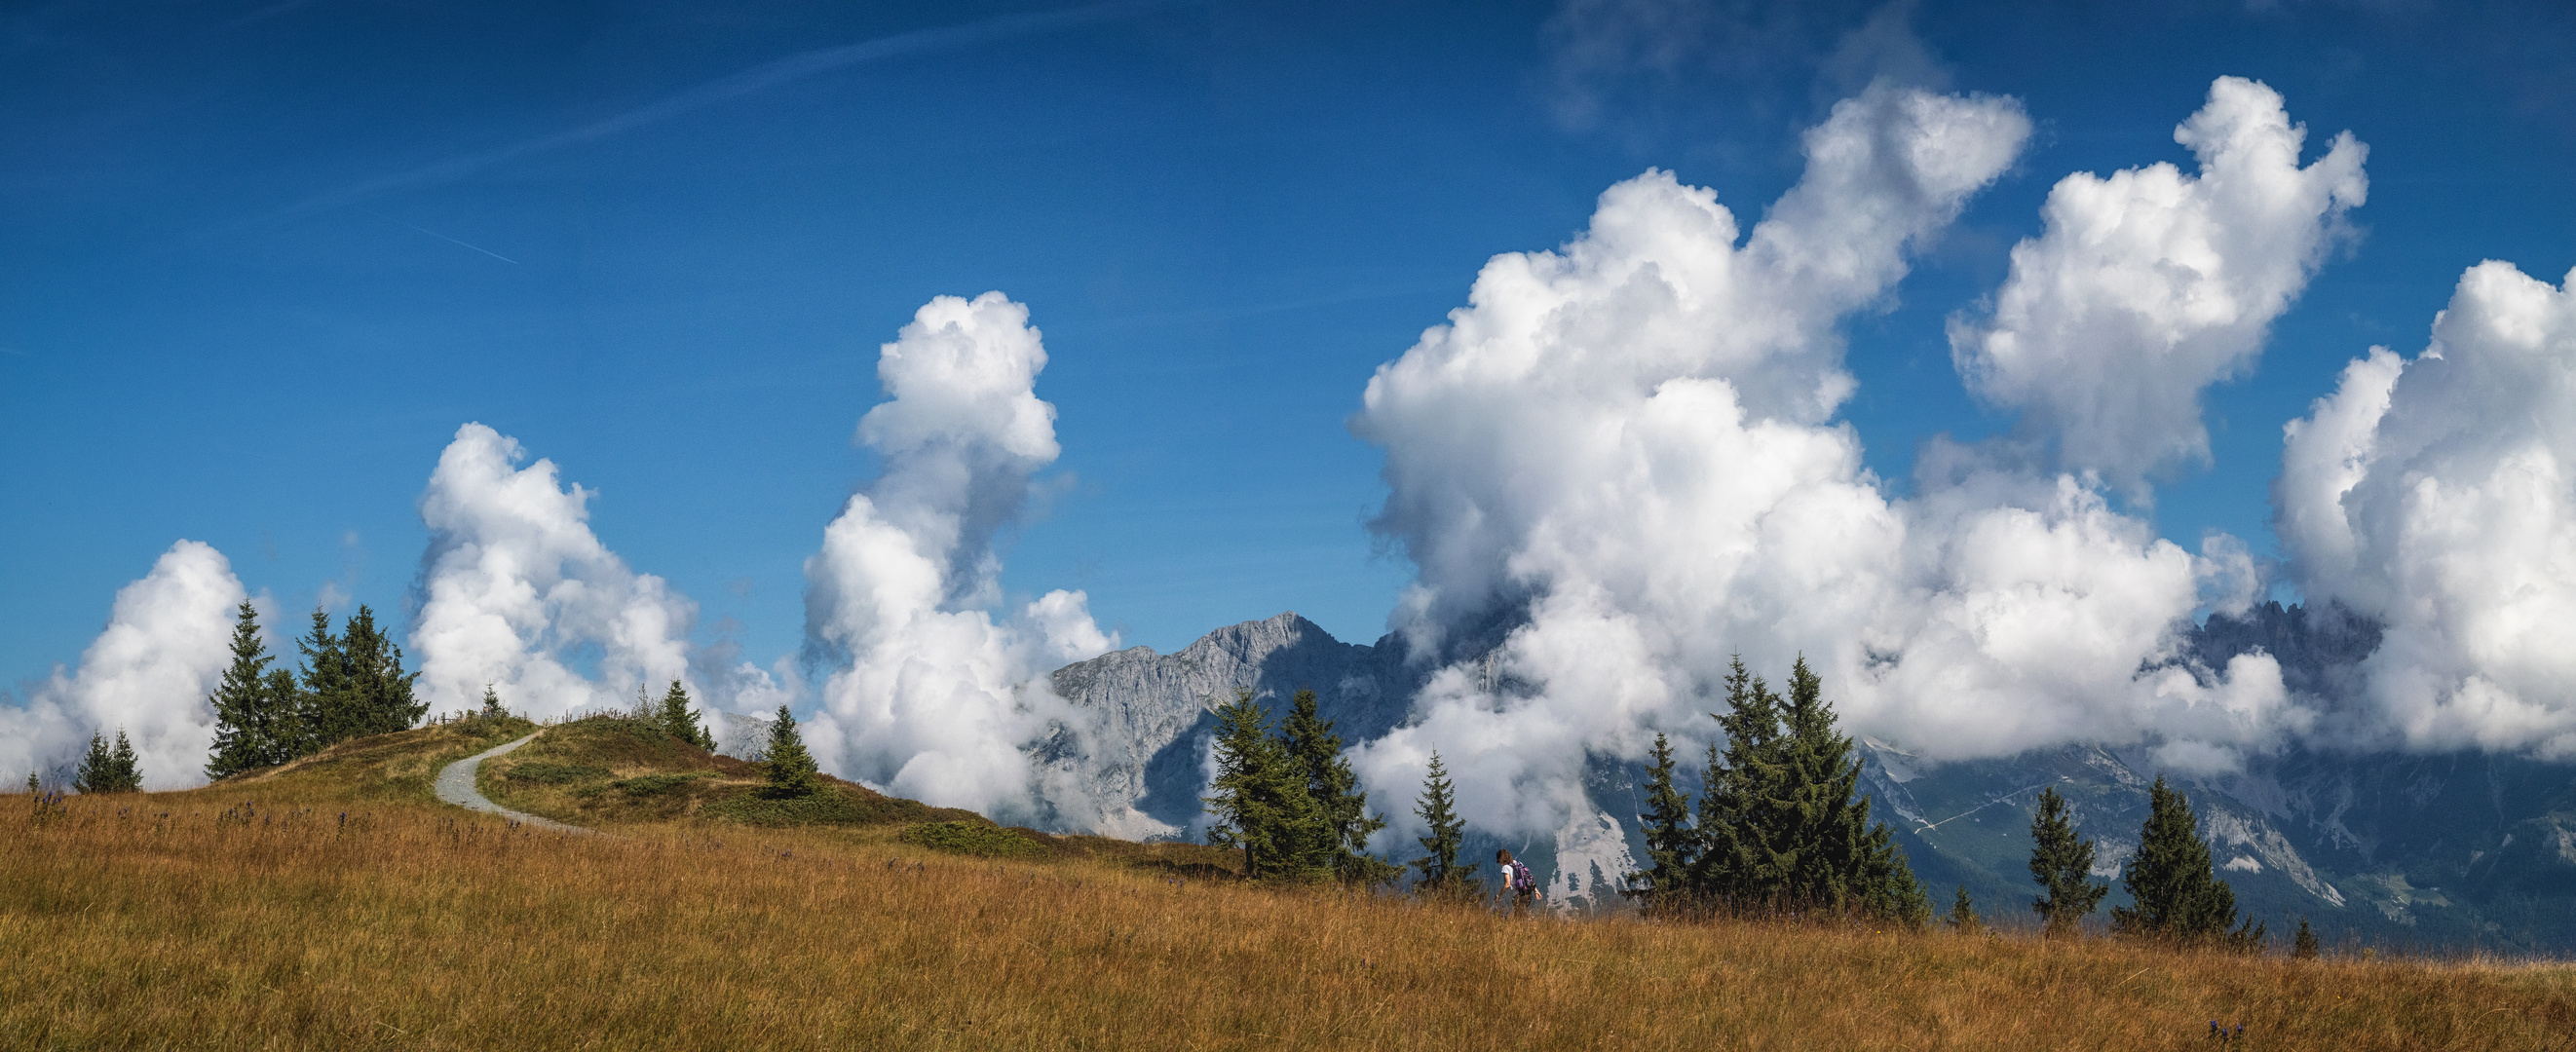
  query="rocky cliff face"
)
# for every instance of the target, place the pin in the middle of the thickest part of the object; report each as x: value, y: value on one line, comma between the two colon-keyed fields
x: 2434, y: 851
x: 1153, y: 712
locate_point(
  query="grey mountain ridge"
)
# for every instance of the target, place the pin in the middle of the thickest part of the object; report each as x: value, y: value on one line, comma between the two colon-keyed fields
x: 2435, y: 851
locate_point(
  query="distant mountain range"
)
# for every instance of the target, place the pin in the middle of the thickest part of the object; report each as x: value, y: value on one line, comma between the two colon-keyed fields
x: 2433, y: 852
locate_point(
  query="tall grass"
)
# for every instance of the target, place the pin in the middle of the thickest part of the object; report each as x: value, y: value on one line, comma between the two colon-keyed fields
x: 214, y: 919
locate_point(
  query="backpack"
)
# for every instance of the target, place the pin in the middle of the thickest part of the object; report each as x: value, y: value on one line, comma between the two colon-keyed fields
x: 1521, y: 878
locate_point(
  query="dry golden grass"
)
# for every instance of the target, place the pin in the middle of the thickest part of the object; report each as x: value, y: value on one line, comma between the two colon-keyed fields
x: 161, y: 921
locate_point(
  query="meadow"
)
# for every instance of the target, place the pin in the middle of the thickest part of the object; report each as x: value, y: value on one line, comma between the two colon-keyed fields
x: 319, y: 909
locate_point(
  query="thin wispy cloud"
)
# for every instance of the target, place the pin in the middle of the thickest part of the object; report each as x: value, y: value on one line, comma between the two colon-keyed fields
x: 746, y: 83
x: 445, y: 238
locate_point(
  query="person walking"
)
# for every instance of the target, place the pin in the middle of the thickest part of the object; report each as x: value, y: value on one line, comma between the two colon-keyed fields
x: 1518, y: 882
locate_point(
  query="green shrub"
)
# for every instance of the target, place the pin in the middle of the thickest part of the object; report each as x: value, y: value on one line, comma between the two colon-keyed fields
x: 972, y: 838
x: 651, y: 784
x: 553, y: 773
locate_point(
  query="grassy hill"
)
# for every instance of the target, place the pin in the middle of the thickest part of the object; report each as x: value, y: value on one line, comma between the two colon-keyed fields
x: 332, y: 904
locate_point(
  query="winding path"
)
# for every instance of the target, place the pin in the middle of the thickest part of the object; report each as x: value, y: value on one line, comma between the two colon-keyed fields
x: 456, y: 786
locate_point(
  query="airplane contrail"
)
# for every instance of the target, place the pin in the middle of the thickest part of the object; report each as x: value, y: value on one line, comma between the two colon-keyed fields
x: 445, y: 238
x: 756, y: 79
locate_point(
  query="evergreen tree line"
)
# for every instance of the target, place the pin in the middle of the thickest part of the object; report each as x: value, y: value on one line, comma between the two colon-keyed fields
x: 1288, y: 798
x: 105, y: 768
x: 1780, y: 827
x: 350, y: 684
x: 2174, y: 887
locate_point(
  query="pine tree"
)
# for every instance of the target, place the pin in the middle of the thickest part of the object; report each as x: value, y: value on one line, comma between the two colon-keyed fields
x: 326, y: 697
x: 2062, y: 863
x: 1741, y: 862
x: 1317, y: 754
x: 1261, y: 803
x: 125, y: 771
x: 97, y: 770
x: 2178, y: 893
x: 2303, y: 946
x: 246, y: 731
x: 1441, y: 874
x: 680, y: 722
x: 1837, y: 860
x: 1963, y: 914
x: 1672, y: 844
x: 109, y: 769
x: 492, y: 706
x: 791, y: 769
x: 379, y: 699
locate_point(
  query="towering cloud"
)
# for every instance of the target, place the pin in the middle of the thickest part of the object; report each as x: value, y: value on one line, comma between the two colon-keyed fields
x: 515, y: 589
x: 1621, y: 456
x: 149, y: 672
x: 928, y: 694
x: 2439, y: 495
x: 2150, y: 285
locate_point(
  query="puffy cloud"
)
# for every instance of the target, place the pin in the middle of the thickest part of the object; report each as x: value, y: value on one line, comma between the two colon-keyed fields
x: 2150, y: 285
x: 166, y: 644
x: 1626, y: 447
x: 516, y: 591
x: 929, y: 695
x: 2437, y: 495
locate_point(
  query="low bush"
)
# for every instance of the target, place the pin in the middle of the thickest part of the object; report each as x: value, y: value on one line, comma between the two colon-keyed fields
x: 653, y: 784
x: 553, y: 773
x: 981, y: 839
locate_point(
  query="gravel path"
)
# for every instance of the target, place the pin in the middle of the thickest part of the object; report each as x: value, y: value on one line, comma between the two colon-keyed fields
x: 456, y: 786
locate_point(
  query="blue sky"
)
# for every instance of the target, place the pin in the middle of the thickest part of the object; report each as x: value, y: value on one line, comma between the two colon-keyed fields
x: 264, y: 258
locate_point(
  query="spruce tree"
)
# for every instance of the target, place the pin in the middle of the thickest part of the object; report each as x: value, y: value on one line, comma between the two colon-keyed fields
x: 125, y: 770
x: 1261, y: 803
x: 1740, y: 861
x: 2062, y: 863
x: 492, y: 706
x: 2177, y: 891
x: 1963, y: 914
x: 379, y: 699
x: 1837, y: 860
x: 792, y: 771
x: 1672, y: 844
x: 326, y: 696
x: 2303, y: 946
x: 246, y: 731
x: 1442, y: 876
x: 97, y: 773
x: 680, y: 722
x: 1316, y: 752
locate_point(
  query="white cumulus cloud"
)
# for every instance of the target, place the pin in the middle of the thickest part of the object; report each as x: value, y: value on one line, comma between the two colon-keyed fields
x: 929, y: 695
x: 1629, y: 443
x: 2438, y: 494
x: 516, y: 591
x: 150, y: 671
x: 2150, y: 285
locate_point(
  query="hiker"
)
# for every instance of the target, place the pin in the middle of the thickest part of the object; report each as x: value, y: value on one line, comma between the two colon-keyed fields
x: 1517, y: 880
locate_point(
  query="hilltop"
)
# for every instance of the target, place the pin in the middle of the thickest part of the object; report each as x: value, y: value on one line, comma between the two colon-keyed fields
x: 331, y: 904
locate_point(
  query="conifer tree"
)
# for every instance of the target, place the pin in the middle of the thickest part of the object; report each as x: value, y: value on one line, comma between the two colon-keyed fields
x: 682, y: 723
x: 1261, y: 803
x: 1316, y: 752
x: 1963, y: 914
x: 250, y: 729
x: 2177, y: 891
x: 791, y: 769
x: 325, y: 695
x: 2062, y: 863
x: 379, y: 697
x: 109, y: 769
x: 2303, y: 946
x: 492, y: 703
x: 1837, y: 860
x: 1741, y: 862
x: 94, y: 774
x: 1671, y: 842
x: 1442, y: 876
